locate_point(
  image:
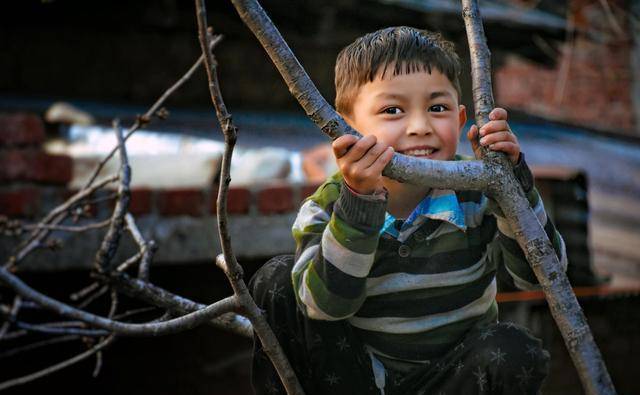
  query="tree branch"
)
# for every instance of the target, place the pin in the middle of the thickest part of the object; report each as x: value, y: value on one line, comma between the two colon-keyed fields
x: 529, y: 233
x: 228, y: 261
x: 470, y: 175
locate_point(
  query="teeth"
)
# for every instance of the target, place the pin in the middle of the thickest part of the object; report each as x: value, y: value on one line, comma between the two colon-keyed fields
x: 419, y: 152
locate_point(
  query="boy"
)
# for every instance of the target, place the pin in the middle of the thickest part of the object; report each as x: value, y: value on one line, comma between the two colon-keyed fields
x: 392, y: 289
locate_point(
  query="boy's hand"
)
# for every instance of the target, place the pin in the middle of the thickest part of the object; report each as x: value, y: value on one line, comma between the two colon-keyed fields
x: 495, y: 135
x: 361, y: 162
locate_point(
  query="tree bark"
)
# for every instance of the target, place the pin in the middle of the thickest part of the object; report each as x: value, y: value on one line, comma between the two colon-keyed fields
x: 529, y: 233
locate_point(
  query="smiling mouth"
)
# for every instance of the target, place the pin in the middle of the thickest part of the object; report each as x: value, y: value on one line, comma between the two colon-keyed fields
x: 419, y: 151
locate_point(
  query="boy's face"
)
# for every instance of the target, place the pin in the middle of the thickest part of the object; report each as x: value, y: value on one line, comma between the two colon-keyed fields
x: 417, y: 114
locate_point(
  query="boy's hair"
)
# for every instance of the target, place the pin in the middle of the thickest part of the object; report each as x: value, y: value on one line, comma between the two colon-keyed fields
x: 405, y: 48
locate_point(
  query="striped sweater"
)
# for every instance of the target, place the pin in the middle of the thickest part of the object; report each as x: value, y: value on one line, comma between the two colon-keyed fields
x: 412, y: 288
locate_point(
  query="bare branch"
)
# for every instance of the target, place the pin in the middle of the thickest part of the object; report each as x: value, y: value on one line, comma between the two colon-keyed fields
x: 54, y: 217
x: 529, y: 233
x: 55, y: 330
x: 162, y: 298
x: 232, y: 268
x: 15, y: 307
x: 182, y: 323
x: 111, y: 239
x: 144, y: 119
x: 84, y: 228
x: 39, y: 344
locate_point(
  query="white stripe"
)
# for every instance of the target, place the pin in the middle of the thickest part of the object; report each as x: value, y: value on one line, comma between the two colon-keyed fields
x: 313, y: 311
x: 401, y: 325
x: 310, y: 214
x: 521, y: 283
x: 352, y: 263
x: 563, y: 251
x: 305, y: 257
x: 397, y: 282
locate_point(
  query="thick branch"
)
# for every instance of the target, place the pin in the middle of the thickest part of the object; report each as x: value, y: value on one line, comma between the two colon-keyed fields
x: 437, y: 174
x: 529, y: 233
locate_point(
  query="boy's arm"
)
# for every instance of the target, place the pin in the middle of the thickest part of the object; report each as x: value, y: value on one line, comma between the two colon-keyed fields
x: 505, y: 248
x: 336, y: 234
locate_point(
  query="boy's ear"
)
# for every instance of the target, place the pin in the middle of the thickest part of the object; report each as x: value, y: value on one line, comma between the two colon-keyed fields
x: 462, y: 116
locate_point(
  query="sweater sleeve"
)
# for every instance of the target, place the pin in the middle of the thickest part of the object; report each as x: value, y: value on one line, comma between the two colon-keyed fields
x: 506, y: 249
x: 336, y: 234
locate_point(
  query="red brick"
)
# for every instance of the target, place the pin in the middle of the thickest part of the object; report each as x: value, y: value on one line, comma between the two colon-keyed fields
x: 140, y: 202
x: 275, y: 199
x: 35, y: 165
x: 20, y: 202
x: 238, y: 201
x: 21, y: 129
x: 181, y: 202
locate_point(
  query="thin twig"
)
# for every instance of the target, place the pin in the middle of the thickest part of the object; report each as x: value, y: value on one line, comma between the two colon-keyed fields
x: 51, y: 369
x: 83, y: 228
x: 182, y: 323
x: 92, y: 298
x: 15, y: 307
x: 84, y: 291
x: 147, y: 248
x: 38, y: 344
x: 112, y: 238
x: 144, y: 119
x: 54, y: 217
x: 231, y: 267
x: 55, y: 330
x: 612, y: 19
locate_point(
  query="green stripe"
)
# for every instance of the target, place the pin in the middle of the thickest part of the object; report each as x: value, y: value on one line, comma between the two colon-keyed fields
x: 330, y: 303
x: 447, y: 334
x: 519, y: 266
x: 352, y: 238
x: 328, y: 192
x: 533, y: 197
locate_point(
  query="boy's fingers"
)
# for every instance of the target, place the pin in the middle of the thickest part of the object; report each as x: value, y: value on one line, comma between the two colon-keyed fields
x: 472, y: 133
x: 498, y: 137
x: 494, y: 126
x: 372, y: 154
x: 381, y: 161
x: 510, y: 149
x: 498, y: 113
x: 342, y: 144
x: 357, y: 150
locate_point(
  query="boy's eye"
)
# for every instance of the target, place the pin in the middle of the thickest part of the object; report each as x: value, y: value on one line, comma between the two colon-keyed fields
x: 392, y: 110
x: 438, y: 108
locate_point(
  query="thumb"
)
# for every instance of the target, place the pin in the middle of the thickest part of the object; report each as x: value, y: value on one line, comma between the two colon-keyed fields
x: 472, y: 136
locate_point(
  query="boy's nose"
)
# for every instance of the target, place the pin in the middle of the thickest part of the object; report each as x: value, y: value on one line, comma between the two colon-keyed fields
x: 419, y: 126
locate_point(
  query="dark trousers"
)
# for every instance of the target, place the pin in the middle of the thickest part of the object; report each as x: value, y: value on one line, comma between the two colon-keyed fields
x: 329, y: 357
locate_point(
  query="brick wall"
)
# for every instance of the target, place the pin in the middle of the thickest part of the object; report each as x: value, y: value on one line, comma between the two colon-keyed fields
x: 30, y: 179
x: 591, y: 84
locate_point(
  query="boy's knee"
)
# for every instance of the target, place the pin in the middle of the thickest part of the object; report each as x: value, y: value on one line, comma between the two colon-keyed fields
x: 513, y: 357
x: 272, y: 280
